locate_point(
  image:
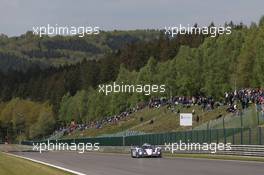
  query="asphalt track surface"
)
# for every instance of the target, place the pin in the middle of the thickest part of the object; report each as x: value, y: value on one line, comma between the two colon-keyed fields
x: 116, y: 164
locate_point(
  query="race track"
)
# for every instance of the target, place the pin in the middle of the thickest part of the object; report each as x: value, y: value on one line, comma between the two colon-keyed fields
x: 115, y: 164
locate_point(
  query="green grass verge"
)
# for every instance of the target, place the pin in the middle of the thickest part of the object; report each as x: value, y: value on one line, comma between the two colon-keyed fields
x: 16, y: 166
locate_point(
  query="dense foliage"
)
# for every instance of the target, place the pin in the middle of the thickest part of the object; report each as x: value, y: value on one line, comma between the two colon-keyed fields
x: 218, y: 65
x: 26, y: 119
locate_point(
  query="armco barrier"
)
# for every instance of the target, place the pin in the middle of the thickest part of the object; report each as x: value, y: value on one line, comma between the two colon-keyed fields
x: 239, y: 150
x: 245, y: 150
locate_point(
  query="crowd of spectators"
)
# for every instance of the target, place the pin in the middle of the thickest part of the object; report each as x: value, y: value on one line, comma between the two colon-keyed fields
x: 100, y: 123
x: 245, y: 97
x: 231, y: 99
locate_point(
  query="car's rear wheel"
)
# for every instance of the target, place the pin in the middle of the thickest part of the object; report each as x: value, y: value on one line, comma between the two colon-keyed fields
x: 132, y: 154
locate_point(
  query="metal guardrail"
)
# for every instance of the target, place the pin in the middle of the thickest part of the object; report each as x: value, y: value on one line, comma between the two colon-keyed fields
x: 239, y: 150
x: 245, y: 150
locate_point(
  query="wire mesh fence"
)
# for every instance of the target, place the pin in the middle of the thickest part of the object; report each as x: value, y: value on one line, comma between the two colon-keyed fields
x: 236, y: 136
x: 249, y: 118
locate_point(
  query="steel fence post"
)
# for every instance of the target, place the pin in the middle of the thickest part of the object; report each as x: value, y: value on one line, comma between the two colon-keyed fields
x: 233, y: 136
x: 241, y: 136
x: 259, y: 134
x: 224, y: 135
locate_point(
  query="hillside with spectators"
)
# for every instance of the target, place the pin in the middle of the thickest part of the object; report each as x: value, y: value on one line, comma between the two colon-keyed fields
x: 162, y: 114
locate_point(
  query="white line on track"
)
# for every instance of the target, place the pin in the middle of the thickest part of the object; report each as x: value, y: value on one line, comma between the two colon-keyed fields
x: 47, y: 164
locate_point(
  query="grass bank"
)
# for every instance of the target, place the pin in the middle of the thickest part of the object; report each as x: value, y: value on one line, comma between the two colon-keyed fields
x: 15, y: 166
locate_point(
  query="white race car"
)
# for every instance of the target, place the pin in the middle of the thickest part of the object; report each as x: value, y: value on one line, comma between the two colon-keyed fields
x: 146, y: 150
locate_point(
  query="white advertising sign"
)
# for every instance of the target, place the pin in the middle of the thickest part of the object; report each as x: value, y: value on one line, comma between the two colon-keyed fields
x: 186, y: 119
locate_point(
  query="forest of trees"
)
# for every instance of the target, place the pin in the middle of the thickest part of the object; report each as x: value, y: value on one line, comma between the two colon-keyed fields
x: 38, y: 95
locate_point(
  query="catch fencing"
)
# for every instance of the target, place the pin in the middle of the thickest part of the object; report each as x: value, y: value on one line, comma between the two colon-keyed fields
x: 235, y: 136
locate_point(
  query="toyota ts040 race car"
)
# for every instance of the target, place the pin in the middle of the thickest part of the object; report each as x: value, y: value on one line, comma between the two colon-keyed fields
x: 146, y: 150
